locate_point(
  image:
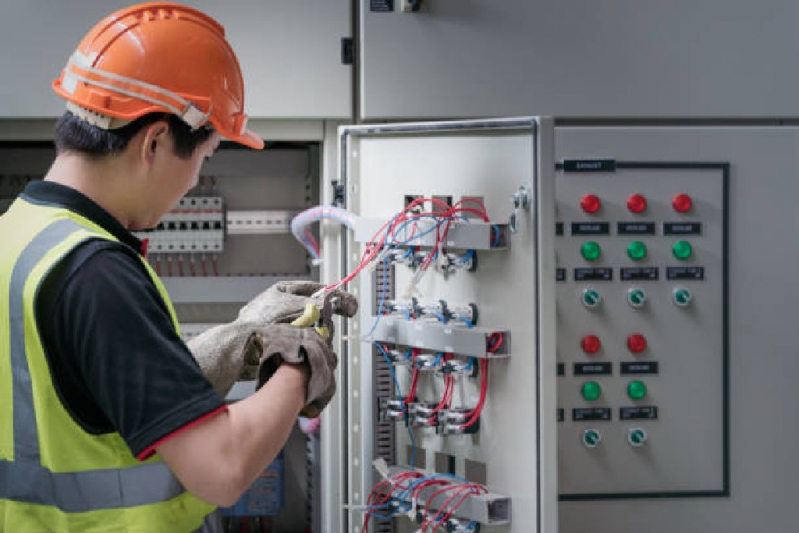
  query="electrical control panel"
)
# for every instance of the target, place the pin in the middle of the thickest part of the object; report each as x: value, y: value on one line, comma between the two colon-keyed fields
x: 642, y: 330
x: 451, y: 261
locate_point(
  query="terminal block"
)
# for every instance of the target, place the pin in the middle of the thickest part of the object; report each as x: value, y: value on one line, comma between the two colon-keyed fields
x: 438, y: 309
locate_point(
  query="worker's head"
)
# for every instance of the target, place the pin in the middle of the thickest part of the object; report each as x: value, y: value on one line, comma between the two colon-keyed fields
x: 161, y: 58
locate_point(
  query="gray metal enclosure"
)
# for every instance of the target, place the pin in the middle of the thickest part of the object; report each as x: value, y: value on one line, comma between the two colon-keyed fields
x: 571, y: 58
x: 763, y: 368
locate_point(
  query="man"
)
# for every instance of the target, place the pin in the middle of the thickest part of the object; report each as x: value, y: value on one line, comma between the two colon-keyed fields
x: 96, y: 386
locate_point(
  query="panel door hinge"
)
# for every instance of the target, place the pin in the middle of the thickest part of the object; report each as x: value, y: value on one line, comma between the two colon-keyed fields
x: 347, y: 51
x: 338, y: 194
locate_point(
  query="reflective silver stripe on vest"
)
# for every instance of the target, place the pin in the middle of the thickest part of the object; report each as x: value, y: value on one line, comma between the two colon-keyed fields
x: 25, y: 479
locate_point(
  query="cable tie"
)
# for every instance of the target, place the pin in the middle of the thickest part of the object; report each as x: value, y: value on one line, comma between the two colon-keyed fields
x: 382, y: 468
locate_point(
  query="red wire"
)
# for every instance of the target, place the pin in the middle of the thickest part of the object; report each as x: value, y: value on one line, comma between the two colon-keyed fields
x: 426, y: 521
x: 475, y: 413
x: 500, y: 338
x: 390, y: 226
x: 469, y: 490
x: 394, y: 482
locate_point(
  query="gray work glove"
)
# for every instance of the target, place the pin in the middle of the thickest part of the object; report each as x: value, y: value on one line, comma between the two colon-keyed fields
x: 285, y: 301
x: 279, y: 343
x: 225, y: 354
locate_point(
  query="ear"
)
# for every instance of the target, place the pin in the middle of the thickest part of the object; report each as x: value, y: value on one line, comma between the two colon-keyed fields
x: 153, y: 140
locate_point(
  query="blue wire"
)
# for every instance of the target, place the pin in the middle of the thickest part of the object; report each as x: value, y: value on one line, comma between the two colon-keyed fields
x: 407, y: 314
x: 496, y: 238
x: 441, y: 318
x: 466, y: 257
x: 390, y: 368
x: 466, y: 321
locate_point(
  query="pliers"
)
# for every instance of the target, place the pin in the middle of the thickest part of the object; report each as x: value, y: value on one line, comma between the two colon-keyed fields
x: 312, y: 316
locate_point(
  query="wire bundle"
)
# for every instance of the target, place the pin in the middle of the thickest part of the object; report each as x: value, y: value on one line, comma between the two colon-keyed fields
x: 404, y: 227
x: 301, y: 222
x: 398, y: 495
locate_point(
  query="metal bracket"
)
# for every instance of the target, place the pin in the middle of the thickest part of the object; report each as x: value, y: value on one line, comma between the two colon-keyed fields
x: 520, y: 200
x: 338, y: 193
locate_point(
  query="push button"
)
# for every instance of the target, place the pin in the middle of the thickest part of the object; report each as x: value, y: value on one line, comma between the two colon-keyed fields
x: 682, y: 203
x: 636, y: 203
x: 591, y: 203
x: 591, y: 344
x: 636, y: 390
x: 591, y: 391
x: 591, y: 251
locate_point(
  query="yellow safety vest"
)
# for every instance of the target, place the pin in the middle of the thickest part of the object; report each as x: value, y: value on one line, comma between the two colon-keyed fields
x: 54, y: 476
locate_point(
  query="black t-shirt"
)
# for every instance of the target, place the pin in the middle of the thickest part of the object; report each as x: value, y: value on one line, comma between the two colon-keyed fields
x: 117, y: 363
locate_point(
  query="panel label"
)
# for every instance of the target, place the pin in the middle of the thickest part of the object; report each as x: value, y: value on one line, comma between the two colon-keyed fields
x: 637, y: 413
x: 586, y: 369
x: 635, y: 228
x: 589, y: 165
x: 593, y: 274
x: 591, y: 413
x: 561, y: 369
x: 590, y: 228
x: 685, y: 273
x: 558, y: 228
x: 640, y: 367
x: 381, y: 6
x: 682, y: 228
x: 561, y: 415
x: 639, y: 273
x: 560, y: 274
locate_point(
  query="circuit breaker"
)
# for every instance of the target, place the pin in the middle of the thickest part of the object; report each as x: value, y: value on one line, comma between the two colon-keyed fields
x: 642, y: 331
x: 445, y: 371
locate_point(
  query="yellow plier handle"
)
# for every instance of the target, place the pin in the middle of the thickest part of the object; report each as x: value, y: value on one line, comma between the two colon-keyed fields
x: 311, y: 317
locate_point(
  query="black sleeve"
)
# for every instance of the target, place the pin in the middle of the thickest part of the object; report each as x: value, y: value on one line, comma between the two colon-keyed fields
x: 108, y: 332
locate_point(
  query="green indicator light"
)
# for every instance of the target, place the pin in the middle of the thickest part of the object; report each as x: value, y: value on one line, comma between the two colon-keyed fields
x: 591, y: 391
x: 636, y: 390
x: 636, y: 437
x: 591, y: 438
x: 591, y: 298
x: 682, y: 297
x: 636, y: 250
x: 636, y: 297
x: 682, y: 250
x: 591, y: 251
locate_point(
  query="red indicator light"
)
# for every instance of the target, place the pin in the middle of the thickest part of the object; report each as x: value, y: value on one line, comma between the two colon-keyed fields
x: 636, y: 343
x: 591, y: 344
x: 682, y: 203
x: 590, y: 203
x: 636, y: 203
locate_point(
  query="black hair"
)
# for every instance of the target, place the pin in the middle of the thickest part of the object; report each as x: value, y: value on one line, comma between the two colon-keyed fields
x: 74, y: 134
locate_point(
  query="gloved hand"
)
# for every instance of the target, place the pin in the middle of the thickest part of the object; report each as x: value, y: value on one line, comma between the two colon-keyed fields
x: 225, y: 354
x: 285, y: 301
x: 278, y: 343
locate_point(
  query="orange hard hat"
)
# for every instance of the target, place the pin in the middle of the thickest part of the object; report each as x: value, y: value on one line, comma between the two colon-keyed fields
x: 158, y: 57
